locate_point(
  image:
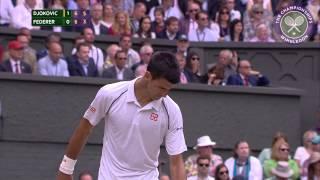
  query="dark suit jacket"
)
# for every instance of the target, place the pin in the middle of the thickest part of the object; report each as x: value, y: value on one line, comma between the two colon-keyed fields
x: 253, y: 80
x: 163, y: 35
x: 103, y: 29
x: 111, y: 73
x: 189, y: 75
x: 76, y: 69
x: 6, y: 67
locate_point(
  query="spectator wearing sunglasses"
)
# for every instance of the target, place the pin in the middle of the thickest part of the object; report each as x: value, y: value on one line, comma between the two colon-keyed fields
x: 280, y: 152
x: 203, y: 163
x: 222, y: 173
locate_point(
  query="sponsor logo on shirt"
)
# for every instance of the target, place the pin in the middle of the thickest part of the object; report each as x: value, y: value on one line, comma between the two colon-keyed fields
x: 92, y: 109
x: 154, y: 117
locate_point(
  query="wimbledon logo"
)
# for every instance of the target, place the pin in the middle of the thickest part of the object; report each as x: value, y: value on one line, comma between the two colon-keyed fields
x: 294, y: 24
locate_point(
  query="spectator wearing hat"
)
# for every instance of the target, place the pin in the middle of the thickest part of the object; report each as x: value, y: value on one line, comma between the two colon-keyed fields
x: 203, y: 33
x: 303, y: 152
x: 15, y: 63
x: 203, y: 163
x: 282, y: 171
x: 183, y: 45
x: 314, y: 166
x: 243, y: 164
x: 204, y: 148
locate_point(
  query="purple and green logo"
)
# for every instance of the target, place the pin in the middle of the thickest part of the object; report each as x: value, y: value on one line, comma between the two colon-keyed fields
x: 294, y: 24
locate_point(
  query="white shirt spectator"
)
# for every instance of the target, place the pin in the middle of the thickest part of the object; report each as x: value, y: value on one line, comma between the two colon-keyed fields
x: 207, y: 35
x: 39, y: 3
x: 168, y: 13
x: 135, y: 129
x: 6, y: 8
x: 119, y: 73
x: 256, y: 39
x: 133, y: 57
x: 47, y: 67
x: 235, y: 14
x: 22, y: 17
x: 255, y: 168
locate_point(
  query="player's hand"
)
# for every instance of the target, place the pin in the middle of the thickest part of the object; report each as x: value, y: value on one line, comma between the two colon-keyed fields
x: 62, y: 176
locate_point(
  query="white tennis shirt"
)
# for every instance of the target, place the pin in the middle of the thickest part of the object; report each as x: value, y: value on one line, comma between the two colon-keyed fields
x: 133, y: 134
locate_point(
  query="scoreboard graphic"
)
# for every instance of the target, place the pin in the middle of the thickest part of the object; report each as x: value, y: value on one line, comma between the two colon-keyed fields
x: 60, y: 17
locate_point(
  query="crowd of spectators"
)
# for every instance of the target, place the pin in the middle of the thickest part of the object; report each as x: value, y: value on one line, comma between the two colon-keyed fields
x: 274, y: 163
x: 200, y: 20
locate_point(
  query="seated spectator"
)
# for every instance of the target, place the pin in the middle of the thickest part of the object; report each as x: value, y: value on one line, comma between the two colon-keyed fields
x: 222, y: 173
x: 280, y: 152
x: 230, y: 5
x: 227, y: 60
x: 125, y: 44
x: 27, y: 32
x: 223, y: 21
x: 243, y: 164
x: 29, y: 54
x: 189, y: 23
x: 183, y: 45
x: 282, y: 171
x: 214, y: 76
x: 158, y: 25
x: 119, y: 71
x: 57, y: 5
x: 314, y: 166
x: 303, y: 152
x: 203, y: 33
x: 169, y: 10
x: 83, y: 4
x: 266, y: 4
x: 203, y: 163
x: 121, y: 25
x: 146, y: 52
x: 247, y: 77
x: 52, y: 37
x: 95, y: 24
x: 149, y: 4
x: 185, y: 76
x: 110, y: 58
x: 21, y: 15
x: 139, y: 12
x: 121, y: 5
x: 108, y: 15
x: 53, y: 64
x: 193, y: 66
x: 263, y: 34
x: 172, y: 29
x: 265, y: 154
x: 6, y: 8
x: 140, y: 70
x: 204, y: 148
x: 255, y: 17
x: 81, y: 64
x: 85, y: 175
x: 236, y: 32
x: 95, y: 52
x: 144, y: 30
x: 15, y: 63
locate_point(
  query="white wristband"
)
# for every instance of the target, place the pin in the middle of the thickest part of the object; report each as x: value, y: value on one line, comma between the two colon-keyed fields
x: 67, y: 165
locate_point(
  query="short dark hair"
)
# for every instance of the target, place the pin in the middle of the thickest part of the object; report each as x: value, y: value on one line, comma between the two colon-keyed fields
x: 125, y: 35
x: 170, y: 20
x: 207, y: 157
x: 236, y: 146
x: 164, y: 65
x: 119, y: 52
x: 82, y: 44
